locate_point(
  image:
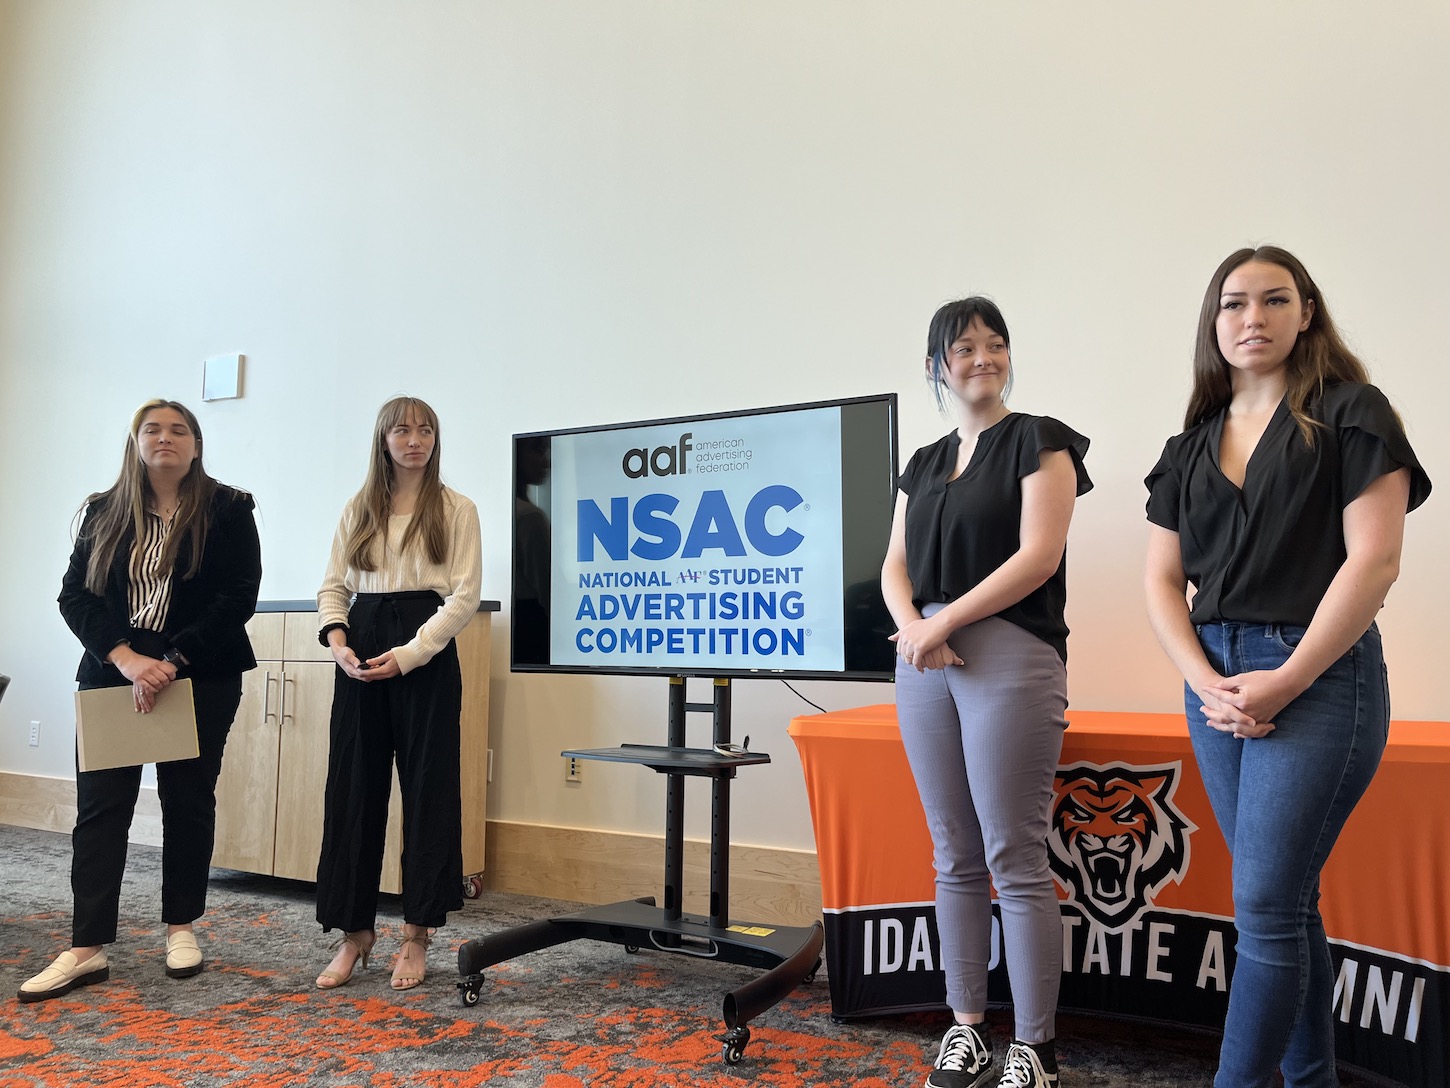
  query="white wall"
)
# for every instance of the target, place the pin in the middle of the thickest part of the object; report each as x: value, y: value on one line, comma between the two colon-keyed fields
x: 562, y: 213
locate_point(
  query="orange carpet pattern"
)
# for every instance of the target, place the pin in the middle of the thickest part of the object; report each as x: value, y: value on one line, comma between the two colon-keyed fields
x: 579, y: 1015
x: 626, y: 1029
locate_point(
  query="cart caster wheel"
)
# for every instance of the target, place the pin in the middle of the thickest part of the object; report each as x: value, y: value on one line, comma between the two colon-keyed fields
x: 470, y: 997
x: 632, y: 949
x: 810, y: 975
x: 734, y: 1042
x: 473, y: 887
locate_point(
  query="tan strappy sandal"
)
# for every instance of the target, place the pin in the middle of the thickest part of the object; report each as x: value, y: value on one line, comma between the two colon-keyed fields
x: 407, y: 982
x: 331, y: 980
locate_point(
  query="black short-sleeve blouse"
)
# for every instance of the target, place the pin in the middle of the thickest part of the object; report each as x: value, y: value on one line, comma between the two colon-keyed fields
x: 1266, y: 553
x: 959, y: 532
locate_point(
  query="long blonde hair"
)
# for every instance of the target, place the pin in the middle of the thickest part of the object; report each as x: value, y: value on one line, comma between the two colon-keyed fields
x: 374, y: 503
x: 1320, y: 356
x: 123, y: 505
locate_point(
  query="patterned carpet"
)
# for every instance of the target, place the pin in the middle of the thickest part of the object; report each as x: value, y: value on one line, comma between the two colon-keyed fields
x: 574, y: 1016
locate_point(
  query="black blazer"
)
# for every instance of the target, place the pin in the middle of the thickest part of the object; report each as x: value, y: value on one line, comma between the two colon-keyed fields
x: 208, y: 611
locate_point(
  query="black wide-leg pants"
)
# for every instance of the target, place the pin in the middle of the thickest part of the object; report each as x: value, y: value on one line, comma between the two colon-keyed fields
x: 415, y: 718
x: 106, y: 802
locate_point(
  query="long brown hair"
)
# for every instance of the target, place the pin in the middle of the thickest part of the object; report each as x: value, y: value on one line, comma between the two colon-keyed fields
x: 375, y: 501
x: 123, y: 505
x: 1319, y: 357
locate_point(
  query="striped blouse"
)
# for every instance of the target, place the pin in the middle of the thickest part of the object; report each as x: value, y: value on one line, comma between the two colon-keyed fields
x: 149, y: 594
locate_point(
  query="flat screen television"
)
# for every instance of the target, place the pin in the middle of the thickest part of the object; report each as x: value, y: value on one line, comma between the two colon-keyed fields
x: 734, y: 544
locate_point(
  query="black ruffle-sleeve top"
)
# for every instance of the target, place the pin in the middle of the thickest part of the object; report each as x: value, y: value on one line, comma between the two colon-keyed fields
x: 1266, y: 552
x: 960, y: 531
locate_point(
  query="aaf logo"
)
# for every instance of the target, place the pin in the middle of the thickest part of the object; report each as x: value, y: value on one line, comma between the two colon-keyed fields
x: 660, y: 461
x: 1117, y: 838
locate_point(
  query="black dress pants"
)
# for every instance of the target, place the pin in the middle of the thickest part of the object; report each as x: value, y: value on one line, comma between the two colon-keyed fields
x: 106, y: 802
x: 414, y: 718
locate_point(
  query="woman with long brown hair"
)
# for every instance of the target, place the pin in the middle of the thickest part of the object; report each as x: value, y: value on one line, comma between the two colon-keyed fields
x: 402, y: 581
x: 162, y: 580
x: 1283, y: 505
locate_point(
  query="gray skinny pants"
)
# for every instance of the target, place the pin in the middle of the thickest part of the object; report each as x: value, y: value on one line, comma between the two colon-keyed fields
x: 983, y: 739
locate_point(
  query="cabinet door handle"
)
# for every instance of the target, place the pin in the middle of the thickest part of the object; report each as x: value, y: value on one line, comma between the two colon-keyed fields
x: 267, y: 697
x: 286, y: 715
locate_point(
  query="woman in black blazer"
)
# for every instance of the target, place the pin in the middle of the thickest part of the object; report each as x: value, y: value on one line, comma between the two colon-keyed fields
x: 163, y: 577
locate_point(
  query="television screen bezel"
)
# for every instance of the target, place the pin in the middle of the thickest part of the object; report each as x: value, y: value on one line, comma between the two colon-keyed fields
x: 885, y: 675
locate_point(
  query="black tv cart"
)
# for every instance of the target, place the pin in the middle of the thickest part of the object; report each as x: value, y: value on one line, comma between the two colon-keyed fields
x: 789, y: 955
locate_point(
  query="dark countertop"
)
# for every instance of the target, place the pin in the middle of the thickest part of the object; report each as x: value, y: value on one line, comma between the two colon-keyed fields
x: 311, y: 606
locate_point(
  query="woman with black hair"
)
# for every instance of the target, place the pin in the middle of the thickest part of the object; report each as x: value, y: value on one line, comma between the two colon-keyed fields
x: 975, y: 579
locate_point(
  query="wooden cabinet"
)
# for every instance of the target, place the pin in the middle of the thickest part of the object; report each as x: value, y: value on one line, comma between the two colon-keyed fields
x: 269, y: 797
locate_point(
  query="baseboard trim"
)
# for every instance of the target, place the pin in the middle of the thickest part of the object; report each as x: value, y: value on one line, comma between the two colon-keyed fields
x: 580, y: 865
x: 767, y: 884
x: 49, y: 804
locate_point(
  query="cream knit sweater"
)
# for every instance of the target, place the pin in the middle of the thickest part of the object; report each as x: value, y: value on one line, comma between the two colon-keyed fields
x: 456, y: 579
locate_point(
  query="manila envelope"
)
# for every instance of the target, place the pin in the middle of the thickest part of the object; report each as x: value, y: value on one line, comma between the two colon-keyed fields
x: 110, y: 732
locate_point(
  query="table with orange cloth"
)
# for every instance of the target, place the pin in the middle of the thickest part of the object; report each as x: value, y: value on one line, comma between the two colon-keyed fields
x: 1145, y: 883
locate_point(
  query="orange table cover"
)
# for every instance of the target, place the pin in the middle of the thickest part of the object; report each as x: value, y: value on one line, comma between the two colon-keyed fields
x: 1132, y: 936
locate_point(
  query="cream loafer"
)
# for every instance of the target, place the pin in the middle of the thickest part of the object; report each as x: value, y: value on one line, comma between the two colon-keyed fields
x: 183, y: 955
x: 64, y: 975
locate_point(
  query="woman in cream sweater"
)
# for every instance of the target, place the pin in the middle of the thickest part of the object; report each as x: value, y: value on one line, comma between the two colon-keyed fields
x: 402, y: 581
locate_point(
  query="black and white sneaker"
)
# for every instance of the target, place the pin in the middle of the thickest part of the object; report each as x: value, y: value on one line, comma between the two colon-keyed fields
x: 965, y: 1060
x: 1027, y: 1068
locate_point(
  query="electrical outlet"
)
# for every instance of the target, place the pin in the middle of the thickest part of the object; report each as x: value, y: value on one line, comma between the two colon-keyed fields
x: 35, y: 734
x: 490, y: 765
x: 573, y: 769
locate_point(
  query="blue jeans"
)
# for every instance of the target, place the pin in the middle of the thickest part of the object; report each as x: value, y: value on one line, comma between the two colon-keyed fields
x: 1281, y: 802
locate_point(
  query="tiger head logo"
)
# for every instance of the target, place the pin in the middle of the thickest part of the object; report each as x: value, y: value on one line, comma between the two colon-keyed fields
x: 1116, y: 837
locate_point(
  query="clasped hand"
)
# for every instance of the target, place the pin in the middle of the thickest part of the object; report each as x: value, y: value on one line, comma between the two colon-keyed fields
x: 149, y: 676
x: 922, y: 644
x: 382, y: 667
x: 1246, y: 704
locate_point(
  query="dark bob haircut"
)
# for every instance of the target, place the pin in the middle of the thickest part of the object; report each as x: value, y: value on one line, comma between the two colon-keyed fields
x: 947, y: 326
